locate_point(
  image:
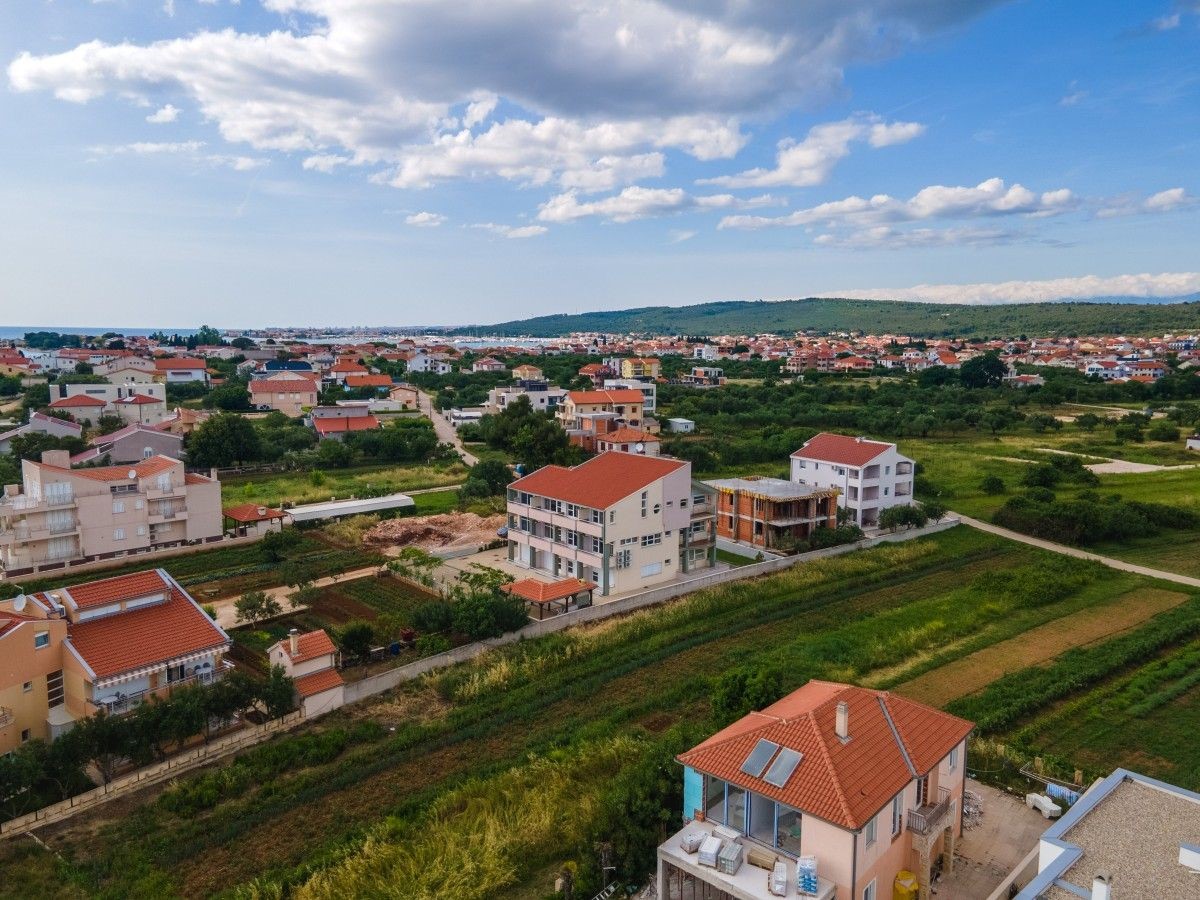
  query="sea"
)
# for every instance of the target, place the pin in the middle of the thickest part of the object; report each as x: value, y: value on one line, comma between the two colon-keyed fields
x: 19, y: 331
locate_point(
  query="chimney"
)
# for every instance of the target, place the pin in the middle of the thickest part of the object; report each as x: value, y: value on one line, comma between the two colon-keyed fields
x: 1102, y: 886
x: 262, y: 510
x: 294, y: 641
x: 843, y: 721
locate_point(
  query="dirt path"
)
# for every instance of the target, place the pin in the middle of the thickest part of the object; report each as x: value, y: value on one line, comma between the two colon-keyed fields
x: 975, y: 672
x: 1077, y: 553
x: 444, y: 430
x: 1117, y: 466
x: 227, y: 615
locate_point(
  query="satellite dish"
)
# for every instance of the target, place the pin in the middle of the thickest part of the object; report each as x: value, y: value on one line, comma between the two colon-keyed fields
x: 640, y: 447
x: 19, y: 603
x: 132, y: 473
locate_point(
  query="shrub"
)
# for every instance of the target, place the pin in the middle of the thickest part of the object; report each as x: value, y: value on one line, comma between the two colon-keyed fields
x: 433, y: 617
x: 1044, y: 475
x: 355, y: 638
x: 992, y: 484
x: 1163, y: 431
x: 432, y: 644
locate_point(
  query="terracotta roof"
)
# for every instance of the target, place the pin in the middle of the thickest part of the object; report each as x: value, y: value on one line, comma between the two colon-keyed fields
x: 623, y: 395
x: 144, y: 469
x: 62, y: 423
x: 838, y: 448
x: 357, y: 381
x: 281, y: 385
x: 845, y: 783
x: 178, y: 362
x: 333, y: 424
x: 601, y: 481
x: 249, y: 512
x: 325, y: 680
x: 310, y: 646
x: 146, y: 636
x: 113, y: 436
x: 192, y: 478
x: 119, y: 587
x: 626, y: 435
x: 140, y: 399
x: 77, y: 400
x: 546, y: 592
x: 347, y: 366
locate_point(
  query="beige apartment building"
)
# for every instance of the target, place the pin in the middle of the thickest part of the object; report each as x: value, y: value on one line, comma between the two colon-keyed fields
x: 622, y: 406
x: 621, y: 521
x: 289, y: 393
x: 110, y: 645
x: 60, y: 515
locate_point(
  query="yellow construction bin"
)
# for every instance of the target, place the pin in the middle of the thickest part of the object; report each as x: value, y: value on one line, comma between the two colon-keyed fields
x: 905, y: 886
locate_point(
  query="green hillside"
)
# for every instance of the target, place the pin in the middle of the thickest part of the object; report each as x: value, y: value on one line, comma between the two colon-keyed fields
x: 873, y: 316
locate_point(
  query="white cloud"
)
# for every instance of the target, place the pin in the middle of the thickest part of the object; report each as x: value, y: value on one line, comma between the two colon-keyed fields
x: 809, y: 162
x: 1165, y: 284
x: 1165, y: 23
x: 1073, y: 96
x: 188, y: 149
x: 163, y: 115
x: 888, y: 237
x: 376, y: 81
x: 513, y: 231
x: 425, y: 219
x: 988, y: 198
x: 679, y: 235
x: 325, y: 162
x: 641, y: 203
x: 1130, y: 204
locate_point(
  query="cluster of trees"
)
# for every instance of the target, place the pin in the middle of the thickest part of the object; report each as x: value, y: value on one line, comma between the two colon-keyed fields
x: 1089, y: 518
x: 38, y: 773
x: 896, y: 517
x: 530, y: 436
x: 487, y: 478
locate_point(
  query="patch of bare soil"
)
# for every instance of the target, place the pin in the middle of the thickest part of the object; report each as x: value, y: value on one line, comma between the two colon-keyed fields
x: 440, y: 532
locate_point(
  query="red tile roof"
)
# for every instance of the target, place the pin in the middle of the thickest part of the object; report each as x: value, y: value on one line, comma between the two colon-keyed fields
x: 120, y: 587
x: 192, y: 478
x: 309, y: 646
x: 546, y: 592
x: 178, y: 362
x: 334, y: 424
x: 601, y: 481
x: 845, y: 783
x: 624, y: 395
x: 326, y: 679
x: 77, y: 400
x: 361, y: 381
x: 140, y: 399
x: 627, y: 435
x: 249, y: 512
x: 282, y: 385
x: 144, y: 469
x: 838, y: 448
x: 146, y: 636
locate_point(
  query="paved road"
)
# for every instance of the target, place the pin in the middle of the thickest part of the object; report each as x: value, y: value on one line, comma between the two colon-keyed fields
x: 1079, y: 554
x: 445, y: 431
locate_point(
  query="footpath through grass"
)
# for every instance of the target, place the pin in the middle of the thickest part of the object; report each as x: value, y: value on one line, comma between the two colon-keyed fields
x: 847, y: 618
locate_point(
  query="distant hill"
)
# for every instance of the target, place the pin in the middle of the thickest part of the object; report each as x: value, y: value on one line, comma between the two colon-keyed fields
x: 1131, y: 316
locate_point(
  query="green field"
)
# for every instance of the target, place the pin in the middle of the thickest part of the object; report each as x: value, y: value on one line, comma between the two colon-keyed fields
x: 464, y: 740
x: 360, y: 481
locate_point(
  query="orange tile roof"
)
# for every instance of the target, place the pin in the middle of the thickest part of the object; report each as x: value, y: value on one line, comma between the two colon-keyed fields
x: 119, y: 587
x: 77, y: 400
x: 326, y: 679
x: 838, y: 448
x: 146, y: 636
x: 282, y: 385
x: 192, y: 478
x: 547, y: 592
x: 143, y: 469
x: 140, y: 399
x: 601, y: 481
x: 845, y: 783
x: 249, y: 512
x: 627, y: 435
x: 309, y: 646
x: 333, y: 424
x: 624, y: 395
x: 178, y: 362
x: 359, y: 381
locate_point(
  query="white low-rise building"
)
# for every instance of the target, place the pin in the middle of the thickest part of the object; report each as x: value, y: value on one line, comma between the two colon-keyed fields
x: 870, y: 475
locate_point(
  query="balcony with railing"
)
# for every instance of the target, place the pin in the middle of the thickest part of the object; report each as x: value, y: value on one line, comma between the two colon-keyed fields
x: 928, y: 820
x: 161, y: 491
x: 126, y: 703
x: 6, y: 716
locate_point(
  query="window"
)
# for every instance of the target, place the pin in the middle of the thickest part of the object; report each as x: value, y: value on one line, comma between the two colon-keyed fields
x: 657, y: 508
x: 682, y: 503
x: 649, y: 540
x: 651, y: 569
x: 597, y: 517
x: 612, y: 516
x: 118, y: 506
x: 953, y: 759
x: 118, y: 534
x: 573, y: 510
x: 572, y: 538
x: 597, y: 545
x: 698, y: 500
x: 922, y: 790
x: 139, y: 503
x: 141, y: 530
x: 735, y: 808
x: 54, y: 688
x: 175, y: 673
x: 26, y: 734
x: 41, y: 639
x: 645, y: 504
x: 869, y: 833
x: 714, y: 799
x: 886, y: 491
x: 869, y: 891
x: 27, y: 687
x: 897, y: 814
x: 787, y: 829
x: 147, y: 452
x: 762, y: 819
x: 801, y: 464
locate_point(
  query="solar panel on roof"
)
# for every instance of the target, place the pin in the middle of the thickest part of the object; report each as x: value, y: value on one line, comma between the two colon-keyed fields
x: 759, y: 757
x: 783, y: 767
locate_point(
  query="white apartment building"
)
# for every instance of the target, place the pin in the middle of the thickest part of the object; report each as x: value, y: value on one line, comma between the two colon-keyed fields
x: 542, y: 397
x: 649, y: 391
x: 620, y: 521
x: 870, y: 475
x: 60, y: 515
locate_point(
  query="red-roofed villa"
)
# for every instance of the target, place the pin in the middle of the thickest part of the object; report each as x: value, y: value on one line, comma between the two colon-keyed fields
x: 871, y: 475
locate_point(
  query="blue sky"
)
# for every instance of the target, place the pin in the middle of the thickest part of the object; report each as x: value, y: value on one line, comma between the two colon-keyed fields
x: 422, y: 162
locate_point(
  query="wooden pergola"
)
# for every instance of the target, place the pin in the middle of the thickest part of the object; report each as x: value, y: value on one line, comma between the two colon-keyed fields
x: 551, y: 598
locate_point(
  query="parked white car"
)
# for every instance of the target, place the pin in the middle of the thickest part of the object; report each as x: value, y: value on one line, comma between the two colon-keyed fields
x: 1043, y: 804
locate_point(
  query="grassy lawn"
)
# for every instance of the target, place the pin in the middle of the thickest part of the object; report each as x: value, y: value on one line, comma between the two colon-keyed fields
x: 314, y: 487
x: 733, y: 559
x: 435, y: 502
x: 464, y: 739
